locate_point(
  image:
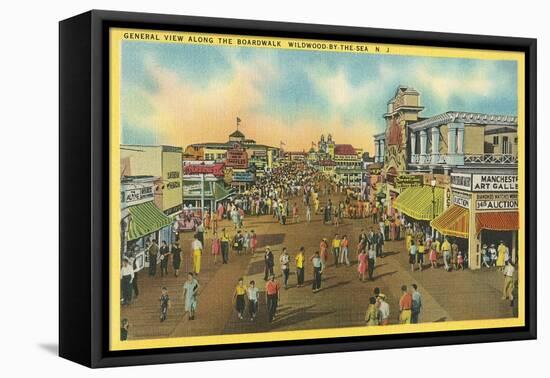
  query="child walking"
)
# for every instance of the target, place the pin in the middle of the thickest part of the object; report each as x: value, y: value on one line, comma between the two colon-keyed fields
x: 460, y: 260
x: 433, y: 257
x: 164, y: 304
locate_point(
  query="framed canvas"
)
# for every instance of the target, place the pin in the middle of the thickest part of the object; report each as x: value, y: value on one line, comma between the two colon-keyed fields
x: 234, y: 188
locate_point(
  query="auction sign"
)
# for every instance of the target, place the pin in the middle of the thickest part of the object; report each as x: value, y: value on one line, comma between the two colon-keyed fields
x: 506, y: 201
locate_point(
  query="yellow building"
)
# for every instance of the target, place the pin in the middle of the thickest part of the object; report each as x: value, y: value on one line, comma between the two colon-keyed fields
x: 164, y: 162
x: 211, y: 152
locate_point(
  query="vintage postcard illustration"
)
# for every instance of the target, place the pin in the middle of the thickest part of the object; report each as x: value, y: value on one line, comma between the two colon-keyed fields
x: 267, y: 189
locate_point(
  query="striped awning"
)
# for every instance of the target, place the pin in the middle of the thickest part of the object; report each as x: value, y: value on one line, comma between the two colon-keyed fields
x: 498, y: 221
x: 418, y: 202
x: 146, y: 219
x: 453, y: 222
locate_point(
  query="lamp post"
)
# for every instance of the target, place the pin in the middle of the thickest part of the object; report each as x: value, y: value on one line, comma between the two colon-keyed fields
x: 433, y: 182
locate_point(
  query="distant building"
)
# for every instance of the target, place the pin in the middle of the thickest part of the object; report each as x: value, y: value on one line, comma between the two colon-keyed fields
x: 349, y: 165
x: 295, y: 155
x: 260, y: 155
x: 346, y: 161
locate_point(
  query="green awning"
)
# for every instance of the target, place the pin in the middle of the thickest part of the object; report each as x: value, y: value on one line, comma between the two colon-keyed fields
x: 221, y: 192
x: 418, y: 202
x: 146, y: 219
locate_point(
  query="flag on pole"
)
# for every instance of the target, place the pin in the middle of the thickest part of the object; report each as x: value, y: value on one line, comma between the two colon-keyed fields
x: 238, y: 121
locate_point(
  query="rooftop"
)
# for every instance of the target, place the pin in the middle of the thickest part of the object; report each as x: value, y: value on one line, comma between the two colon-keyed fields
x: 236, y: 134
x: 344, y: 149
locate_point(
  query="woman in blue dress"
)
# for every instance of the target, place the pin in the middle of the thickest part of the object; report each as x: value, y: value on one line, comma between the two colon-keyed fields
x: 190, y: 292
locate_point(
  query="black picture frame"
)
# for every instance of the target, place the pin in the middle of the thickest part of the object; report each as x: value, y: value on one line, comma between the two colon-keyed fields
x: 84, y: 192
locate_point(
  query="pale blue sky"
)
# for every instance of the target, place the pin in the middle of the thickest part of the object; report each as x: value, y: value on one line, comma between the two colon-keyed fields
x: 291, y: 87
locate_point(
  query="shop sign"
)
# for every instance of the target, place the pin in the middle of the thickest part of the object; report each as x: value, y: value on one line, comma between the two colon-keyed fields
x: 461, y: 199
x: 198, y: 169
x: 243, y: 176
x: 461, y: 181
x: 494, y: 183
x: 172, y: 175
x: 134, y: 195
x: 408, y: 181
x: 497, y: 202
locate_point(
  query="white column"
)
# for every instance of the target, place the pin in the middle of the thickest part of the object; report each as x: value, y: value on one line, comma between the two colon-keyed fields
x: 413, y: 143
x: 460, y: 141
x: 382, y: 149
x: 451, y: 140
x: 423, y: 141
x: 435, y: 144
x: 376, y: 152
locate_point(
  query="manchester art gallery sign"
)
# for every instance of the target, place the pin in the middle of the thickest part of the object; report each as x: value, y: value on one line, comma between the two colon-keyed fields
x: 484, y: 183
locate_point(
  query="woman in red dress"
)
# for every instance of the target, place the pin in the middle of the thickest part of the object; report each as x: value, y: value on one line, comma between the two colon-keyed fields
x: 216, y: 246
x: 253, y: 242
x: 363, y: 264
x: 323, y: 247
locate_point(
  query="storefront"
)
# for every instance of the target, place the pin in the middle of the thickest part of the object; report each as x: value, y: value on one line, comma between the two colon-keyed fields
x: 211, y: 192
x: 145, y: 223
x: 420, y: 204
x: 484, y: 210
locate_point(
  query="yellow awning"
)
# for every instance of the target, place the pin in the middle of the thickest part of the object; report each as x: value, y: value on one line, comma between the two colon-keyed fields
x: 453, y: 222
x: 421, y: 202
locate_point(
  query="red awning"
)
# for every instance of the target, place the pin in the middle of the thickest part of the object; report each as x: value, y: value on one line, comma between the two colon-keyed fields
x: 453, y: 222
x: 501, y: 221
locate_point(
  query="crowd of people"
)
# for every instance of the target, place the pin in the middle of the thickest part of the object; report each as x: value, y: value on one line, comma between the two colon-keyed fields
x: 277, y: 195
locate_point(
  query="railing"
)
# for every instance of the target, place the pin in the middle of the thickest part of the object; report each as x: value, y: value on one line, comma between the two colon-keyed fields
x: 437, y: 159
x: 429, y: 159
x: 490, y: 159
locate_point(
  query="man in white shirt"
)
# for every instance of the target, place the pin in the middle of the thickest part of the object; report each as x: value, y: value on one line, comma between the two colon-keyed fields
x: 508, y: 281
x: 126, y: 277
x: 383, y: 310
x: 285, y: 266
